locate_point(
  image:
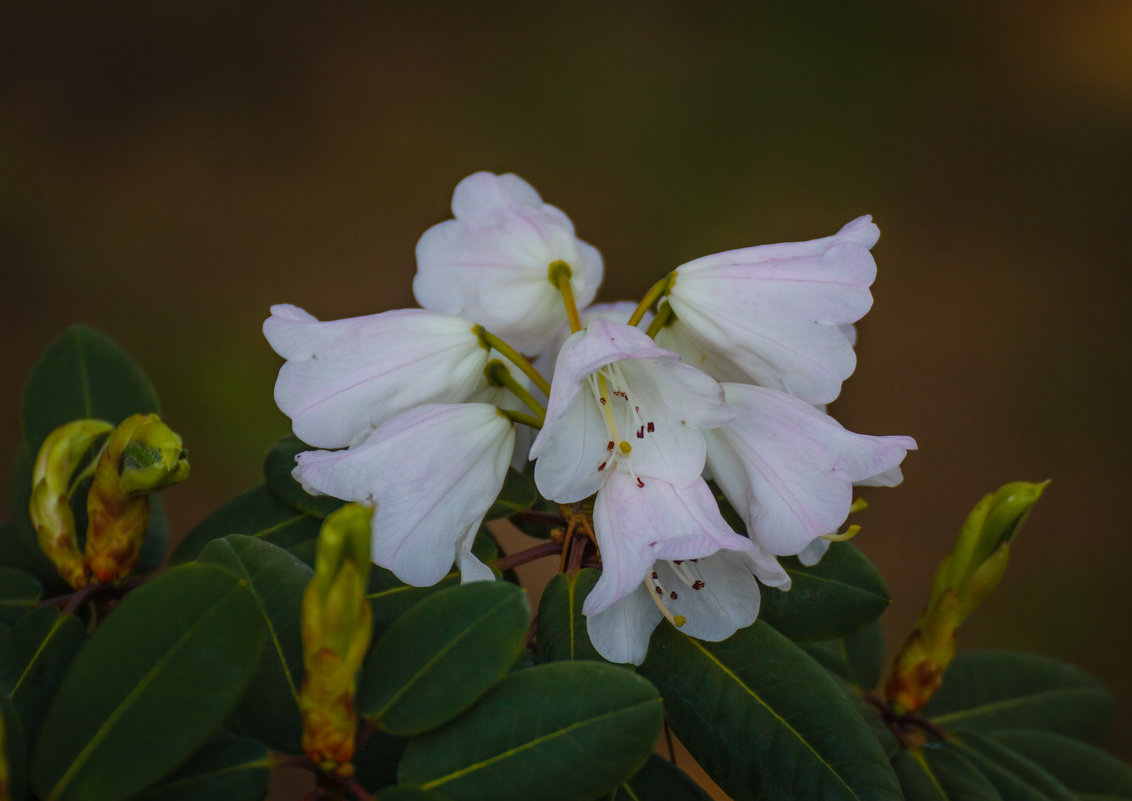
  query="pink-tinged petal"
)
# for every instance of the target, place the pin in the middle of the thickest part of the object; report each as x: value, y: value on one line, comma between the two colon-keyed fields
x: 621, y: 632
x: 639, y: 525
x: 490, y: 263
x: 789, y: 469
x: 432, y: 472
x: 617, y: 312
x: 572, y: 453
x: 343, y: 378
x: 776, y: 312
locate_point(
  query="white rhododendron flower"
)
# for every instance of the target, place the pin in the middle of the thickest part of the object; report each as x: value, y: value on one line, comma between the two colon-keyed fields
x: 668, y: 553
x: 774, y: 314
x: 789, y: 469
x: 491, y: 263
x: 343, y: 378
x: 432, y: 472
x: 424, y: 403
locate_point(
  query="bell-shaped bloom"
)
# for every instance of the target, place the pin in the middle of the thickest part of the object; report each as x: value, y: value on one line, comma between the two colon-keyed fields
x: 490, y: 264
x: 789, y: 469
x: 618, y: 402
x: 668, y: 553
x: 432, y: 473
x: 616, y: 312
x: 775, y: 314
x: 343, y: 378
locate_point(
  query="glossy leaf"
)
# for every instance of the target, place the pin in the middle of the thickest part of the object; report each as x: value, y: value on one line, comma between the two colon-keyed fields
x: 517, y: 495
x: 561, y: 626
x: 659, y: 780
x: 545, y: 516
x: 14, y: 553
x: 255, y: 513
x: 555, y: 732
x: 14, y: 750
x: 277, y: 467
x: 226, y: 767
x: 442, y: 655
x: 83, y: 374
x: 408, y: 794
x: 269, y: 709
x: 765, y: 720
x: 18, y: 592
x: 155, y: 680
x: 987, y: 690
x: 36, y: 654
x: 834, y: 598
x: 1015, y: 777
x: 1084, y: 769
x: 938, y: 772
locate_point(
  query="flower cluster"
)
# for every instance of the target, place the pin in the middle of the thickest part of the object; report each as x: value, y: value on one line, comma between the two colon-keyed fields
x: 719, y: 372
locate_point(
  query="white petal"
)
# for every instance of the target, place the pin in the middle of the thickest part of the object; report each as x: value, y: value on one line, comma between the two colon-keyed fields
x: 728, y: 599
x: 788, y: 469
x: 343, y: 378
x: 639, y: 525
x: 432, y: 472
x: 570, y: 451
x: 621, y: 632
x: 774, y: 311
x: 812, y: 553
x: 490, y: 263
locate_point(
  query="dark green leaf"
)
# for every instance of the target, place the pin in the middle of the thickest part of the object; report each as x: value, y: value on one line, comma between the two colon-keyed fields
x: 15, y: 554
x: 269, y: 709
x: 561, y: 627
x: 408, y: 794
x: 545, y: 516
x: 83, y: 374
x: 1080, y: 767
x: 13, y: 750
x: 154, y: 681
x: 156, y: 542
x: 857, y: 658
x: 765, y: 720
x: 36, y: 654
x: 1015, y: 777
x: 277, y: 467
x: 555, y: 732
x: 659, y: 780
x: 836, y: 597
x: 376, y: 760
x: 987, y: 690
x: 256, y: 513
x: 18, y: 592
x: 517, y: 495
x: 938, y: 772
x: 226, y: 767
x: 442, y: 655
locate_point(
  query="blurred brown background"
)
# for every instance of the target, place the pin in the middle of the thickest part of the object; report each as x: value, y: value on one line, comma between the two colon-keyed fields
x: 167, y: 171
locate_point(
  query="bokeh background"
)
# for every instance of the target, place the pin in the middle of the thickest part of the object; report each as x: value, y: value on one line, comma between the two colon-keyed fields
x: 169, y: 170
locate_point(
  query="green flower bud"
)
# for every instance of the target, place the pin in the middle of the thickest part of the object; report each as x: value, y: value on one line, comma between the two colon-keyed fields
x: 59, y: 468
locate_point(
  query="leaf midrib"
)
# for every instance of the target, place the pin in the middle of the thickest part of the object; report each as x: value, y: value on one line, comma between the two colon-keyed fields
x: 1010, y: 703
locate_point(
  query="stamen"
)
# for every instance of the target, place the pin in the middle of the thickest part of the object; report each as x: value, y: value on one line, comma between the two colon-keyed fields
x: 640, y: 483
x: 658, y: 599
x: 844, y: 536
x: 698, y: 585
x: 609, y: 445
x: 601, y: 466
x: 651, y: 428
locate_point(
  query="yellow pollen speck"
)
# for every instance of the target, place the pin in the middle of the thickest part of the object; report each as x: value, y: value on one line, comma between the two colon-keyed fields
x: 679, y: 620
x: 625, y: 447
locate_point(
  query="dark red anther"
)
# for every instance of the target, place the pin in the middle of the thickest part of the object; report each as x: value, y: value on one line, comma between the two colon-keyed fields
x: 651, y: 427
x: 655, y: 576
x: 640, y: 483
x: 602, y: 401
x: 601, y: 466
x: 609, y: 445
x: 641, y: 432
x: 659, y: 591
x: 697, y: 585
x: 672, y: 595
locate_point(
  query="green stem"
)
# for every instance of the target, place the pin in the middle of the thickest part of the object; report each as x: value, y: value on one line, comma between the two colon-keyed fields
x: 519, y: 417
x: 559, y: 274
x: 655, y: 293
x: 516, y: 358
x: 664, y: 316
x: 497, y: 372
